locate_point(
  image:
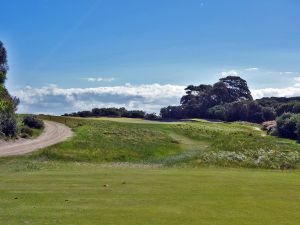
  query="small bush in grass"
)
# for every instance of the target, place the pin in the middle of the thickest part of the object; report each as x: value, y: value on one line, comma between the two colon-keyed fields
x: 26, y: 132
x: 33, y: 122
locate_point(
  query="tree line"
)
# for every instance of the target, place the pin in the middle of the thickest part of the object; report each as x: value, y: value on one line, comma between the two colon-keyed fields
x: 229, y: 100
x: 114, y: 112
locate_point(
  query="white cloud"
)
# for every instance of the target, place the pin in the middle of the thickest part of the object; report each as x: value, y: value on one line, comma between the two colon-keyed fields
x: 287, y: 72
x: 251, y: 69
x: 230, y: 73
x: 276, y: 92
x: 52, y: 98
x: 99, y: 79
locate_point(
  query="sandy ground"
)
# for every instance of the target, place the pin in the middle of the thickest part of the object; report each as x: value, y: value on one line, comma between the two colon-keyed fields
x: 53, y: 134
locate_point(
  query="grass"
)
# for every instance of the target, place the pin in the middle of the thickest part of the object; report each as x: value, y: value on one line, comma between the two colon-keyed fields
x: 66, y: 184
x: 68, y: 193
x: 175, y: 143
x: 105, y: 141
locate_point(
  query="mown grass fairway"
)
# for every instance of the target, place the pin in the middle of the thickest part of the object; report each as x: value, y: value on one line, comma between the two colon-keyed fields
x: 75, y: 194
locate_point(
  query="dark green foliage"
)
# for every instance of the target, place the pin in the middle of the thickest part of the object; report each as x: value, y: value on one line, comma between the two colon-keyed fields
x: 134, y: 114
x: 213, y: 101
x: 110, y: 112
x: 2, y: 77
x: 218, y: 112
x: 33, y: 122
x: 237, y: 88
x: 8, y: 104
x: 3, y: 60
x: 173, y: 112
x: 244, y: 111
x: 269, y: 113
x: 8, y: 123
x: 287, y: 125
x: 151, y: 116
x: 281, y: 105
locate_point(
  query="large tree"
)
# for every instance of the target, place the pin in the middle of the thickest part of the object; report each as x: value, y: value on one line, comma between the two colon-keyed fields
x: 199, y: 99
x: 8, y: 104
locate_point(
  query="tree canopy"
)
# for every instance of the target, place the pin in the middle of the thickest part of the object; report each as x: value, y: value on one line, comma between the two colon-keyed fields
x: 199, y: 99
x: 8, y: 104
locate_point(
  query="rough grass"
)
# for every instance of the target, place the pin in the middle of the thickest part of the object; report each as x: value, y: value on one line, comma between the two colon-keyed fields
x: 105, y: 141
x: 75, y: 194
x: 176, y: 143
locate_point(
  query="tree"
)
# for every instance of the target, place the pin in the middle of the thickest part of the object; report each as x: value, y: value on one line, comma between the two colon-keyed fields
x: 269, y: 113
x: 220, y: 93
x: 8, y: 104
x: 173, y: 112
x: 237, y: 88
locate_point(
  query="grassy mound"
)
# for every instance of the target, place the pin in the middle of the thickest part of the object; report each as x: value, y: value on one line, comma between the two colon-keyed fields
x: 181, y: 143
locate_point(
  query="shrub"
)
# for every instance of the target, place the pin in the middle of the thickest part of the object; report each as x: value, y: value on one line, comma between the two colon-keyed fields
x: 33, y: 122
x: 287, y: 125
x: 26, y: 132
x: 8, y: 123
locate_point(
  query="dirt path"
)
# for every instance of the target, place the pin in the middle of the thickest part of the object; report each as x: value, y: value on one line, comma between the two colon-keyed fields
x: 53, y: 134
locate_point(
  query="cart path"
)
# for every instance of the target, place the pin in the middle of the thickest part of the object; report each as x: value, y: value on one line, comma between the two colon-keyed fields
x: 52, y: 134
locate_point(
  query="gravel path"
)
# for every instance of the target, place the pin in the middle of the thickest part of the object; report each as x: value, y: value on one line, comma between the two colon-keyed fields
x: 53, y: 134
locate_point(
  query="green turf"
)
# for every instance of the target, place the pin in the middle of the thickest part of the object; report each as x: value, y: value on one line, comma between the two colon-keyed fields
x: 68, y: 193
x: 82, y: 181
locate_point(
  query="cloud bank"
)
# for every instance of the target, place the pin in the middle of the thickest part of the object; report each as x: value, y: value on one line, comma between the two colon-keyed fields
x: 55, y: 100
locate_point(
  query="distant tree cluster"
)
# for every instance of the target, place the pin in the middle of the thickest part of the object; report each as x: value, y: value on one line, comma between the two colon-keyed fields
x: 229, y: 99
x: 114, y: 112
x: 8, y: 104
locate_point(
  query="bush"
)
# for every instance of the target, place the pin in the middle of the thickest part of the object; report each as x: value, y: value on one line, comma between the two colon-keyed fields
x: 287, y: 125
x: 26, y: 132
x: 33, y: 122
x: 8, y: 124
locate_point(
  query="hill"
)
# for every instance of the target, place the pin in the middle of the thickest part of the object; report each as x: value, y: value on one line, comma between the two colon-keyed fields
x: 195, y: 143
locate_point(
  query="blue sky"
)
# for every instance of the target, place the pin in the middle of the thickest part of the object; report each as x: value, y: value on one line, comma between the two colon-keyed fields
x: 73, y: 55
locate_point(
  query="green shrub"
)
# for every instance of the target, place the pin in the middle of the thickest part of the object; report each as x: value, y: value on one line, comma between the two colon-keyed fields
x: 33, y: 122
x: 26, y: 132
x: 287, y: 125
x: 8, y: 123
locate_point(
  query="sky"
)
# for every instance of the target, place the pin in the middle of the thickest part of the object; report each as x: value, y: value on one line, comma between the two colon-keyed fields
x: 72, y: 55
